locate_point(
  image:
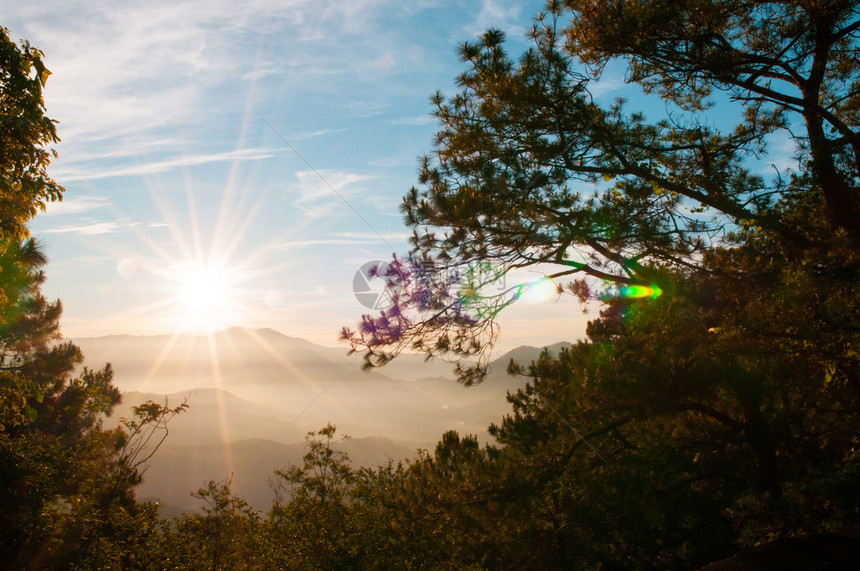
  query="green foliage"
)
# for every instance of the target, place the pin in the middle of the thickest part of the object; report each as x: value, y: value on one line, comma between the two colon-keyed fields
x: 227, y: 535
x: 25, y: 131
x: 66, y: 484
x: 716, y: 420
x: 529, y: 171
x: 311, y: 527
x: 787, y: 62
x: 719, y: 414
x: 325, y: 473
x: 446, y: 507
x: 53, y: 452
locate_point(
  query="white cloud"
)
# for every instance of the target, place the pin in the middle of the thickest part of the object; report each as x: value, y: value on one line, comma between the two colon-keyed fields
x: 320, y: 193
x: 128, y: 72
x: 314, y: 134
x: 294, y: 244
x: 74, y: 265
x: 76, y: 205
x: 366, y: 108
x: 89, y: 229
x: 343, y: 239
x: 782, y: 155
x: 88, y: 260
x: 373, y: 236
x: 501, y: 15
x: 123, y: 148
x: 92, y: 172
x: 419, y: 120
x: 608, y: 83
x: 383, y: 63
x: 123, y: 68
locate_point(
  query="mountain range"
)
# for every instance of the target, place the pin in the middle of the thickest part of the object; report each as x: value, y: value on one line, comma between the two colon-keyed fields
x: 253, y: 394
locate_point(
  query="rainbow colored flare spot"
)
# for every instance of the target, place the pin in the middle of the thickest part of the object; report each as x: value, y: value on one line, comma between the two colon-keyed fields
x: 640, y: 291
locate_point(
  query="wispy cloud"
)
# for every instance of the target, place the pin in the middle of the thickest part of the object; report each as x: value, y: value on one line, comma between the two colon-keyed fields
x: 158, y: 86
x: 384, y: 63
x: 295, y: 244
x: 419, y: 120
x: 313, y: 134
x: 91, y: 173
x: 76, y: 205
x: 122, y: 68
x: 125, y: 70
x: 366, y: 108
x: 500, y: 15
x: 133, y: 147
x: 89, y: 229
x: 608, y: 83
x: 373, y: 237
x: 320, y: 193
x: 342, y: 239
x: 73, y: 266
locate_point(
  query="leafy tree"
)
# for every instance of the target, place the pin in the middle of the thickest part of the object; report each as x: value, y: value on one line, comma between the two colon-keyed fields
x: 448, y: 510
x: 682, y: 429
x: 50, y: 438
x: 227, y: 535
x: 329, y: 515
x: 311, y: 527
x: 66, y: 482
x: 325, y: 474
x: 787, y: 62
x: 388, y: 536
x: 686, y: 427
x: 116, y: 529
x: 25, y: 131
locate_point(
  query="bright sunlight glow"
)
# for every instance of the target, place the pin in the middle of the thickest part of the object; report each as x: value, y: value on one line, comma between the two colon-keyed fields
x: 203, y: 288
x: 540, y: 290
x: 205, y: 295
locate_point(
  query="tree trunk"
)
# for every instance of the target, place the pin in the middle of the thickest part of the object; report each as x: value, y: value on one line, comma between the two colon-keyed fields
x: 759, y: 436
x: 843, y: 206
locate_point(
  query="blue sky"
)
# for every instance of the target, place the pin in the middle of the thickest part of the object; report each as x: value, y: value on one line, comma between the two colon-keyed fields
x: 268, y: 139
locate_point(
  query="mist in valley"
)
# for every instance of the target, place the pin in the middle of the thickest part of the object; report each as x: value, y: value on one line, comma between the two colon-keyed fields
x: 253, y: 394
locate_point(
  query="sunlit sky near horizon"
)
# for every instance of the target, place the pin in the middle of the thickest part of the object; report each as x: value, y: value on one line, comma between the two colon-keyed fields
x: 249, y: 156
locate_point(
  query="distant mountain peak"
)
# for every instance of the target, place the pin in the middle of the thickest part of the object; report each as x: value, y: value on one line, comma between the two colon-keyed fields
x: 261, y: 331
x: 530, y: 352
x: 234, y: 331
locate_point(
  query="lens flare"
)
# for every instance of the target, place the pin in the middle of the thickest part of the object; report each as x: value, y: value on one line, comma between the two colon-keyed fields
x: 640, y: 291
x: 540, y: 290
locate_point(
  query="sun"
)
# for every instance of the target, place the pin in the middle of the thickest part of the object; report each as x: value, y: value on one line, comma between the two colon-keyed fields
x: 204, y: 287
x: 205, y: 295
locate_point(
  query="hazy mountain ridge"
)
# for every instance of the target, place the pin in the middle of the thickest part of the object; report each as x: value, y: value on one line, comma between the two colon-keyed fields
x: 254, y: 394
x: 286, y: 379
x: 213, y: 417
